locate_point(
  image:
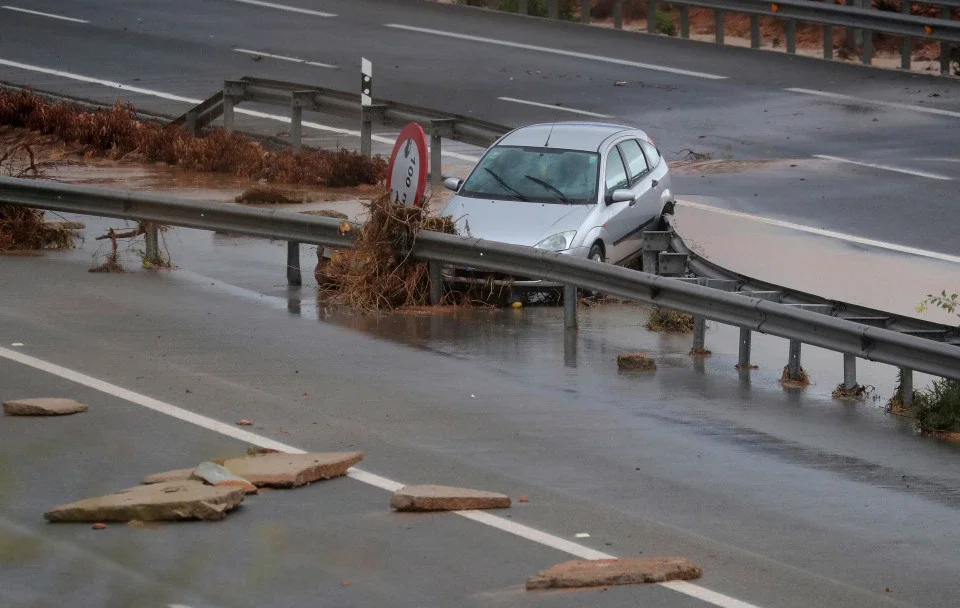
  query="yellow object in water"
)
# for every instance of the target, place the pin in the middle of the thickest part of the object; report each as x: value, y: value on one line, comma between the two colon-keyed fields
x: 517, y: 305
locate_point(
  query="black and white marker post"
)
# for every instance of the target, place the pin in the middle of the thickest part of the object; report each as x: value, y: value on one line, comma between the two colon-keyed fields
x: 366, y: 106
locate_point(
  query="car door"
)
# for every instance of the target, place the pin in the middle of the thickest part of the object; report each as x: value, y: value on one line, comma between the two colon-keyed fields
x: 626, y: 225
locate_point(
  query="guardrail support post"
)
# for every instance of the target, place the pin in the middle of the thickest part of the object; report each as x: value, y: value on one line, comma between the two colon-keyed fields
x: 906, y: 44
x: 651, y: 16
x: 793, y: 364
x: 791, y: 30
x: 746, y: 340
x: 618, y: 14
x: 553, y: 9
x: 944, y: 45
x: 293, y: 264
x: 906, y: 386
x: 849, y: 371
x: 296, y: 126
x: 867, y: 55
x: 227, y: 113
x: 718, y: 26
x: 522, y: 7
x: 436, y: 282
x: 151, y: 237
x: 191, y: 123
x: 754, y: 31
x: 684, y: 21
x: 570, y: 306
x: 699, y: 334
x: 828, y: 42
x: 585, y: 12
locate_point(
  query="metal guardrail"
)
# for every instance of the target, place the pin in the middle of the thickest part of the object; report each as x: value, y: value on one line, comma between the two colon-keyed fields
x: 748, y: 313
x: 856, y: 15
x: 300, y: 97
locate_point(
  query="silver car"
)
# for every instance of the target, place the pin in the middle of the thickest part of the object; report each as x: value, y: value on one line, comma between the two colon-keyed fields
x: 581, y: 188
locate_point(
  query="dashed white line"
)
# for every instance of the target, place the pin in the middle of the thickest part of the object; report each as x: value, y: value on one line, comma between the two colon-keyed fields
x: 934, y: 255
x: 554, y: 51
x: 888, y: 104
x: 284, y: 7
x: 38, y: 13
x: 171, y: 97
x: 552, y: 107
x: 285, y: 58
x: 487, y: 519
x: 913, y: 172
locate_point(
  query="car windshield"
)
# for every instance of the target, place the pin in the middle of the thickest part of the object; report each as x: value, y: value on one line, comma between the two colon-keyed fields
x: 536, y: 175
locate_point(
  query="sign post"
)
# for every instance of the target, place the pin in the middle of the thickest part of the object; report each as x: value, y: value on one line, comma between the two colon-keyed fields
x: 407, y: 171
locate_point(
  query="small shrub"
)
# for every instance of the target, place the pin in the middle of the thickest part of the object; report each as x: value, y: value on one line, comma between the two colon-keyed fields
x: 937, y: 409
x: 665, y: 23
x: 670, y: 321
x: 632, y: 9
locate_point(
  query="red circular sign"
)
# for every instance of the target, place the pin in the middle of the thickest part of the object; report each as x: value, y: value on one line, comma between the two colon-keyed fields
x: 407, y: 171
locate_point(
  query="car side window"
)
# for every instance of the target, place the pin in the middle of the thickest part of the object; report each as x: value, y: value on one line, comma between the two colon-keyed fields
x: 653, y: 155
x: 636, y: 163
x: 616, y: 175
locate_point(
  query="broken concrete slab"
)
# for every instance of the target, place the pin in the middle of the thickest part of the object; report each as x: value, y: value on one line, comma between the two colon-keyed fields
x: 175, y: 475
x: 446, y: 498
x: 218, y: 475
x: 636, y: 361
x: 602, y: 572
x: 169, y: 501
x: 43, y: 407
x: 292, y: 470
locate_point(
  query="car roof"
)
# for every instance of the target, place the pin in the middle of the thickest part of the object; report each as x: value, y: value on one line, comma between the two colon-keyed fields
x: 585, y: 136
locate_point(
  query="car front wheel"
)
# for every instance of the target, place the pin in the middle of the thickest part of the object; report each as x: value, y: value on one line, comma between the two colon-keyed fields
x: 596, y: 252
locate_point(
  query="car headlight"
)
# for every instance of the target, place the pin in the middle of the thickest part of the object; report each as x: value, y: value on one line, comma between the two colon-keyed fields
x: 557, y: 242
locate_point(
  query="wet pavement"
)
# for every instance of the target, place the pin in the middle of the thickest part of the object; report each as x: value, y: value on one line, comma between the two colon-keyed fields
x: 792, y: 489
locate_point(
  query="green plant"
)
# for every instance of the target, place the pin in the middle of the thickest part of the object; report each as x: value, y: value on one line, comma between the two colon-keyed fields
x: 945, y: 301
x: 937, y: 409
x: 665, y: 23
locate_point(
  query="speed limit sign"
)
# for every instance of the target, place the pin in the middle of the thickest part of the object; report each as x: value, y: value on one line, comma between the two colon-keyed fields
x: 407, y: 171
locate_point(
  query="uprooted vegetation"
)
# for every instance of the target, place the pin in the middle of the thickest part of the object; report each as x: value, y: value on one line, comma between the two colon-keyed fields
x: 670, y: 321
x: 22, y: 228
x: 378, y: 273
x: 117, y: 133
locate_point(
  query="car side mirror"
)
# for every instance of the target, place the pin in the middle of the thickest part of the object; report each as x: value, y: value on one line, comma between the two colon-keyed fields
x: 452, y: 183
x: 622, y: 196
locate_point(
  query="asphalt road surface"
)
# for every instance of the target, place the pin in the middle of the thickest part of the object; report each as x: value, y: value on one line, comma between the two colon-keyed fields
x: 730, y: 102
x: 785, y: 498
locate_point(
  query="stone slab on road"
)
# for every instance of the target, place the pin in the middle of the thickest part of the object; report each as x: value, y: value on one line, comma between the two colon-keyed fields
x: 445, y: 498
x: 292, y: 470
x: 170, y: 501
x: 602, y: 572
x: 43, y: 407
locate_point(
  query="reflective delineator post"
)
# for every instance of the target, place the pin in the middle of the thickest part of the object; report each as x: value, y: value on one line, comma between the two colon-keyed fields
x: 570, y: 306
x: 366, y: 100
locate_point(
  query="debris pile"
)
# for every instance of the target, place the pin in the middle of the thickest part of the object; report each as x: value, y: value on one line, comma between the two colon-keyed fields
x: 636, y: 362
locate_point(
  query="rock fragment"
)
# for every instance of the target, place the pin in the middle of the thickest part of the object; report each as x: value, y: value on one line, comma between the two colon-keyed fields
x: 292, y: 470
x: 170, y: 501
x: 42, y: 407
x: 218, y: 475
x: 445, y: 498
x: 602, y: 572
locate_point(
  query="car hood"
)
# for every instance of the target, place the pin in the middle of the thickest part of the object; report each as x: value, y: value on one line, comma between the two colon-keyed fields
x: 513, y: 222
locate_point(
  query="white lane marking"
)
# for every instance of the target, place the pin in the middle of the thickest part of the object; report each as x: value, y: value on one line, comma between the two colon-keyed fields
x: 284, y: 7
x: 284, y: 58
x: 934, y: 255
x: 170, y: 96
x: 552, y: 107
x: 888, y: 104
x: 546, y: 49
x: 494, y: 521
x: 886, y: 168
x: 51, y: 15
